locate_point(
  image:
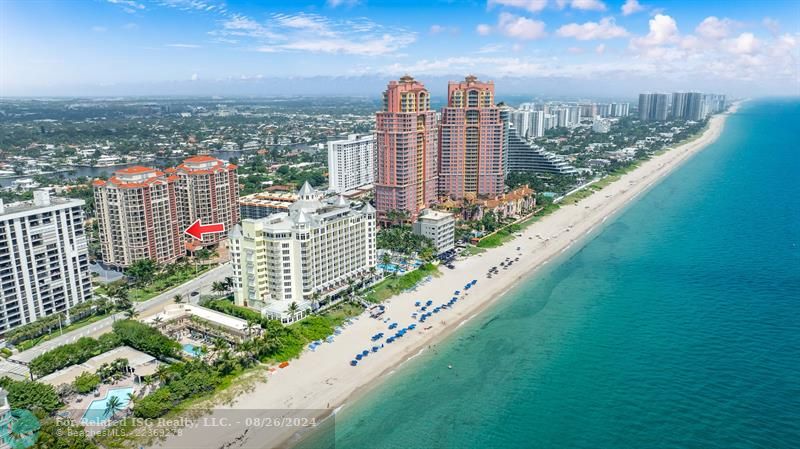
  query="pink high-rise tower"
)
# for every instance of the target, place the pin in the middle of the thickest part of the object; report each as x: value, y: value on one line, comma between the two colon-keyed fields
x: 405, y: 149
x: 471, y: 141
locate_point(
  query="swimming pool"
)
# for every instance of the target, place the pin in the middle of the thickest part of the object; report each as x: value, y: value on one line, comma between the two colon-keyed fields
x: 392, y: 268
x: 192, y: 350
x: 96, y: 412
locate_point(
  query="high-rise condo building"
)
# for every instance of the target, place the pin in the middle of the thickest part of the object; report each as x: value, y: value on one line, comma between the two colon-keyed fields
x: 308, y: 254
x: 44, y: 260
x: 207, y: 189
x: 653, y: 106
x: 406, y: 150
x: 523, y: 156
x: 470, y: 141
x: 142, y: 212
x: 137, y: 215
x: 351, y: 162
x: 618, y: 109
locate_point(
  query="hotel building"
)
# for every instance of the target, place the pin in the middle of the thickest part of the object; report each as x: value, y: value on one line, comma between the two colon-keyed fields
x: 470, y: 141
x: 310, y: 253
x: 137, y: 215
x: 44, y: 261
x: 351, y: 162
x: 206, y: 189
x: 405, y: 146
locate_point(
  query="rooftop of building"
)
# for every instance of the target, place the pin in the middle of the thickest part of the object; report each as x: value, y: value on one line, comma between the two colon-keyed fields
x: 309, y: 210
x: 136, y: 360
x: 175, y: 311
x: 434, y: 215
x: 42, y: 199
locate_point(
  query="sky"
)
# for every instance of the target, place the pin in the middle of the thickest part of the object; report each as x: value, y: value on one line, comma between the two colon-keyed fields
x: 353, y: 47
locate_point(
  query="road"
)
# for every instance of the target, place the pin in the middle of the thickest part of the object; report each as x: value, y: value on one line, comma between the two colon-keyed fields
x: 200, y: 284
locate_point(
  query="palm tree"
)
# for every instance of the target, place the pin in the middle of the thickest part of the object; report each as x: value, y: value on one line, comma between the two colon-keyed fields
x: 113, y: 405
x: 178, y: 299
x: 157, y: 321
x: 315, y: 300
x: 251, y: 326
x: 293, y: 309
x: 427, y: 254
x: 228, y: 281
x: 121, y: 298
x: 131, y: 399
x: 219, y: 287
x: 131, y: 313
x: 218, y: 344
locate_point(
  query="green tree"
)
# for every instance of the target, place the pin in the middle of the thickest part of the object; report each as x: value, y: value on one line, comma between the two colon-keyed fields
x: 293, y: 309
x: 30, y: 395
x: 86, y: 382
x: 142, y: 270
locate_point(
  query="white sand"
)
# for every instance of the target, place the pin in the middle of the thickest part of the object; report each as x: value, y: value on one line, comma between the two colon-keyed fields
x: 325, y: 380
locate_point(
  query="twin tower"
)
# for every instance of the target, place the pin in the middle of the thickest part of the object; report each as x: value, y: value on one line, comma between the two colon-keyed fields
x: 420, y: 159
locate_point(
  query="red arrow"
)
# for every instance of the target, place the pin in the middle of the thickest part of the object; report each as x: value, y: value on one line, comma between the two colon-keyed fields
x: 197, y: 230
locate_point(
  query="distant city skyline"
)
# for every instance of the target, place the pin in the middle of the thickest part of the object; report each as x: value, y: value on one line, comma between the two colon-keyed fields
x: 539, y: 47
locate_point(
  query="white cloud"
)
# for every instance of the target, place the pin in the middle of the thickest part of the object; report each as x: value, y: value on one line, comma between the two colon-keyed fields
x: 130, y: 26
x: 436, y: 29
x: 631, y: 7
x: 600, y: 49
x: 714, y: 28
x: 744, y: 44
x: 483, y: 29
x: 314, y: 33
x: 663, y: 30
x: 384, y: 45
x: 605, y: 29
x: 302, y: 21
x: 195, y: 77
x: 183, y: 45
x: 529, y: 5
x: 99, y: 29
x: 584, y: 5
x: 575, y: 50
x: 520, y: 27
x: 128, y: 6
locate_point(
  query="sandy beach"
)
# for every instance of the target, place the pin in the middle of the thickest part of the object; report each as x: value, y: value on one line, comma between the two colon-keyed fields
x: 321, y: 381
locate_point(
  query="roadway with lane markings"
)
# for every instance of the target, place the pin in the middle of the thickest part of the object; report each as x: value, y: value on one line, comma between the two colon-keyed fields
x: 200, y: 284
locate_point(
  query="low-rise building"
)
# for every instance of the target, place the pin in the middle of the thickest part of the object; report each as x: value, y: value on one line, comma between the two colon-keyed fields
x: 286, y: 262
x: 438, y: 226
x: 44, y: 260
x: 515, y: 203
x: 264, y: 204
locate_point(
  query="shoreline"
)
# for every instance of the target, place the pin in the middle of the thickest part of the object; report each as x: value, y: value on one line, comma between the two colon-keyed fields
x: 321, y: 383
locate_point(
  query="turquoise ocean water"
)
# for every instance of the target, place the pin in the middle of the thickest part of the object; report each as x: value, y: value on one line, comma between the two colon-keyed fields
x: 676, y: 326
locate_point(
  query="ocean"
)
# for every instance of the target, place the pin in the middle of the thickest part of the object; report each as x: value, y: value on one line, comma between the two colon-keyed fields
x: 676, y: 326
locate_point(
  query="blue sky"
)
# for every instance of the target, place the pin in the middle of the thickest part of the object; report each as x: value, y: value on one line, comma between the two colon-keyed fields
x: 192, y: 46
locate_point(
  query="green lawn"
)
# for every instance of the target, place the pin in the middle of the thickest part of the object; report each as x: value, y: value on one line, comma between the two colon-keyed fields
x: 397, y: 284
x: 162, y: 284
x: 27, y: 344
